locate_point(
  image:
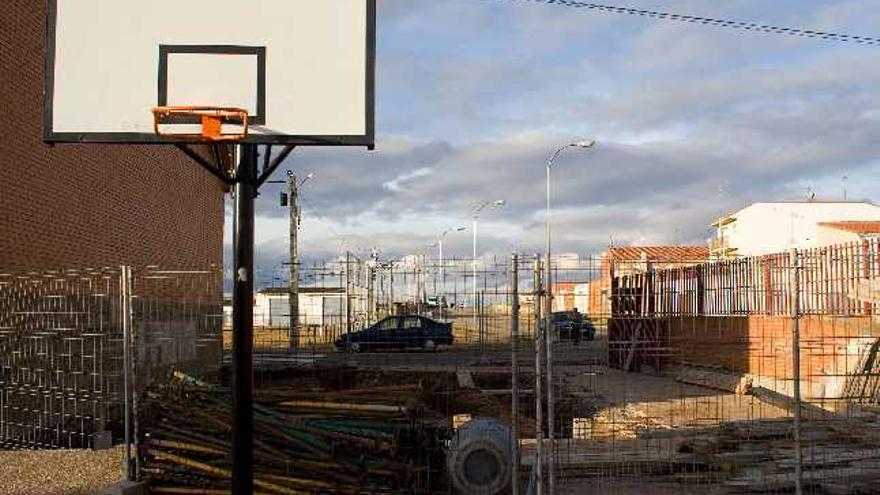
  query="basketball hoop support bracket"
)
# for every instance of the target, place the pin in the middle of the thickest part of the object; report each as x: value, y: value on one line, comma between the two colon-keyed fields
x: 222, y: 172
x: 216, y: 169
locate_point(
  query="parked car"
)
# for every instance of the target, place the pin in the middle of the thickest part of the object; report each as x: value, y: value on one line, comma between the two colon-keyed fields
x: 398, y: 332
x: 573, y: 326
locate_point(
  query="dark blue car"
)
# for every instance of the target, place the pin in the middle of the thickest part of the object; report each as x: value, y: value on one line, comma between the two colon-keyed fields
x: 398, y: 332
x: 573, y: 326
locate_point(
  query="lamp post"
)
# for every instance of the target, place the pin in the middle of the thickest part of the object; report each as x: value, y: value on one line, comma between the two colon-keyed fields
x: 442, y: 297
x: 476, y: 217
x: 548, y: 316
x: 421, y: 283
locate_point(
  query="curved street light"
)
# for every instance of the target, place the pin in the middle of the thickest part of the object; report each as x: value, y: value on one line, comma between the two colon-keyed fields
x: 548, y: 335
x: 476, y: 217
x: 442, y: 296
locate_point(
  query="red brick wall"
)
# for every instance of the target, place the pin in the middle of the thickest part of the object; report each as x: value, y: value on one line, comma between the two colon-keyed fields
x: 90, y: 205
x: 762, y: 345
x: 759, y: 345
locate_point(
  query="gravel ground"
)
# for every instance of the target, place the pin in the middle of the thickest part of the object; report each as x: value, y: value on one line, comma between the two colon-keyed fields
x: 58, y: 472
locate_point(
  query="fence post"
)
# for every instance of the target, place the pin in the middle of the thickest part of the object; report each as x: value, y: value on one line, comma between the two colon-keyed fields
x: 478, y: 318
x: 391, y: 308
x: 548, y: 366
x: 514, y: 369
x: 794, y: 289
x: 370, y: 297
x: 125, y: 320
x: 539, y: 378
x: 347, y: 292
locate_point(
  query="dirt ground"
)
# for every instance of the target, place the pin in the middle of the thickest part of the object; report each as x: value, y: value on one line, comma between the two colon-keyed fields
x: 631, y: 401
x: 58, y: 472
x: 626, y: 406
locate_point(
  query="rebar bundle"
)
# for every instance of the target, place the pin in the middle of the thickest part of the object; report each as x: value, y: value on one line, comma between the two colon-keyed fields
x: 348, y: 442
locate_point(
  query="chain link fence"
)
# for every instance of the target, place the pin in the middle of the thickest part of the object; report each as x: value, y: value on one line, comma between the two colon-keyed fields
x: 756, y: 375
x: 62, y: 346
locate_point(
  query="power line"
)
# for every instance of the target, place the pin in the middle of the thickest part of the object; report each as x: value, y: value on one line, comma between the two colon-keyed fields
x: 328, y: 223
x: 708, y: 21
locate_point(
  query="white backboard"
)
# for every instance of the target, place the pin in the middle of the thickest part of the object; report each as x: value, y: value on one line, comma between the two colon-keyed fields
x: 304, y: 69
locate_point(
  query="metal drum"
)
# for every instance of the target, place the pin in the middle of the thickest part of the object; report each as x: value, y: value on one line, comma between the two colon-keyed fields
x: 479, y: 459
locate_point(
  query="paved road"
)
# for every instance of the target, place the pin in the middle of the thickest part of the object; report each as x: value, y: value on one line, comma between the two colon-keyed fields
x: 565, y: 354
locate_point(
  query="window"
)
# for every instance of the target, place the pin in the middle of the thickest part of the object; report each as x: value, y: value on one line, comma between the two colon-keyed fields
x: 412, y: 323
x: 388, y: 324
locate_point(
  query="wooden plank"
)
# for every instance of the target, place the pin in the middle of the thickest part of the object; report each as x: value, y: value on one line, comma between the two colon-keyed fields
x: 757, y: 481
x: 633, y: 345
x: 714, y: 379
x: 855, y: 428
x: 782, y: 401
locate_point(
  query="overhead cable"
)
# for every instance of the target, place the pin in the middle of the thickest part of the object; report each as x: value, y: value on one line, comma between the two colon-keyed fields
x: 709, y: 21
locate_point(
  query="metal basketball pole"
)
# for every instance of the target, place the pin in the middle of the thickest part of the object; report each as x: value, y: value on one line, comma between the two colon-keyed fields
x: 243, y: 324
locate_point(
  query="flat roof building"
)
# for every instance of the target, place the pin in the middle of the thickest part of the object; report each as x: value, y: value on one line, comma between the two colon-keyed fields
x: 774, y: 227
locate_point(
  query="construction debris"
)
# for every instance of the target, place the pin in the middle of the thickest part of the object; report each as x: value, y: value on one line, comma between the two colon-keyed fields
x: 366, y: 440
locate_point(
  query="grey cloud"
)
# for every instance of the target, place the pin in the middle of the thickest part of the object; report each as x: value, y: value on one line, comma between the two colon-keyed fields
x: 679, y: 111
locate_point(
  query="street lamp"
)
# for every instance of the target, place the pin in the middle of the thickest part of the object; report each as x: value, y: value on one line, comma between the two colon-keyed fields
x: 442, y: 297
x: 548, y: 335
x: 421, y: 283
x: 476, y: 216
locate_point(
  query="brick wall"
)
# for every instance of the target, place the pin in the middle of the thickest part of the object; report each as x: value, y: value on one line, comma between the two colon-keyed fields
x: 90, y: 205
x: 762, y: 345
x: 831, y: 347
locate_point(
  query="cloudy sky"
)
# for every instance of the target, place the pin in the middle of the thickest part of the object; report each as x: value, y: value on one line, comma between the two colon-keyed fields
x: 474, y: 95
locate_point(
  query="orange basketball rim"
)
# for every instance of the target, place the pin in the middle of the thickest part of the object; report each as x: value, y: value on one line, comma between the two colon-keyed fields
x: 211, y: 120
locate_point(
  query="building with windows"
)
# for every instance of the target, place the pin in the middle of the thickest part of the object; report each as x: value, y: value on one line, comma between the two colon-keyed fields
x: 765, y: 228
x: 319, y: 307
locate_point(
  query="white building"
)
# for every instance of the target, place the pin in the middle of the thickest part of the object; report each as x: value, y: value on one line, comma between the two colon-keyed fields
x: 319, y: 308
x: 765, y: 228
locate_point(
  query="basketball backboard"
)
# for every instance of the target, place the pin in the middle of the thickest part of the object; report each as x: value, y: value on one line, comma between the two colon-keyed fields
x: 303, y: 69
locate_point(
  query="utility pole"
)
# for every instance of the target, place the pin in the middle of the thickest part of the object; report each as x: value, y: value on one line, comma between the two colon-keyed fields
x: 295, y: 215
x: 293, y: 286
x: 371, y: 287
